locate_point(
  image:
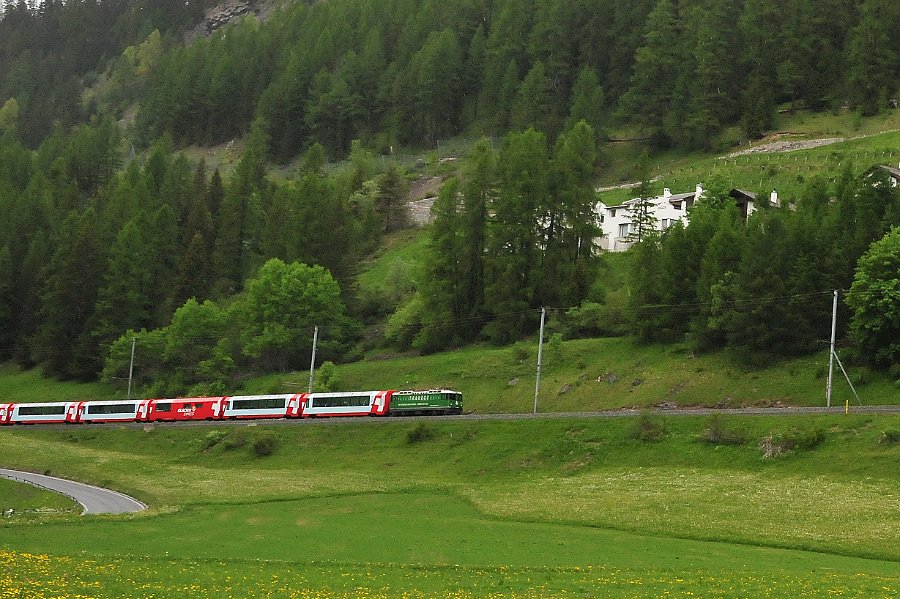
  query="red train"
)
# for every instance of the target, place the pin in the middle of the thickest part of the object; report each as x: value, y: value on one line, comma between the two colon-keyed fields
x: 300, y: 405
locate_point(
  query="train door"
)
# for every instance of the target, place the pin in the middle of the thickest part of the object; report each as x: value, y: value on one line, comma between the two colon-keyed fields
x: 143, y: 412
x: 294, y: 407
x: 218, y: 408
x: 379, y: 406
x: 301, y: 408
x: 74, y: 412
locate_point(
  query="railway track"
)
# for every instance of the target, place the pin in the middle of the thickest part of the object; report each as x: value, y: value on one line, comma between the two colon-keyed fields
x: 619, y: 413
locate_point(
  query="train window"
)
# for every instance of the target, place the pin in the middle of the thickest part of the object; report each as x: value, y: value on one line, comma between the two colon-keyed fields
x: 119, y: 408
x: 41, y: 410
x: 268, y: 403
x: 163, y: 407
x: 343, y: 401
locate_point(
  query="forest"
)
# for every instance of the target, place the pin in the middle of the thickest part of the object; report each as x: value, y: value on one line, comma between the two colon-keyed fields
x: 112, y: 236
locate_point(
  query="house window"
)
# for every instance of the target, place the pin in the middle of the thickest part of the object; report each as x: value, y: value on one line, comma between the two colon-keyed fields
x: 664, y: 224
x: 612, y: 212
x: 677, y: 206
x: 623, y: 230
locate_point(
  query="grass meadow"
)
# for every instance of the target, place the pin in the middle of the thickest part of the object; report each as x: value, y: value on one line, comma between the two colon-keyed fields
x: 556, y: 508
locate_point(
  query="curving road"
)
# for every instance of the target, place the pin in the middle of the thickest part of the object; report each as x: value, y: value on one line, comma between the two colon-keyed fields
x: 94, y: 499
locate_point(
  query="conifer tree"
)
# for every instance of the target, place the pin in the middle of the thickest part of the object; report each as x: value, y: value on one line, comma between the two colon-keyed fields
x: 513, y: 248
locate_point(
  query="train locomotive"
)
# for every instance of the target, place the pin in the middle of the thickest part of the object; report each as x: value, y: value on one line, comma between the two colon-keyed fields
x: 297, y: 405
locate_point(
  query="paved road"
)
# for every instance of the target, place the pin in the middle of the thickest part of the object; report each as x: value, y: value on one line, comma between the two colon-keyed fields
x: 94, y: 499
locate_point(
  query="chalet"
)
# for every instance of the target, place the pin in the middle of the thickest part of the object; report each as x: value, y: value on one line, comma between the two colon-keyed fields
x: 667, y: 209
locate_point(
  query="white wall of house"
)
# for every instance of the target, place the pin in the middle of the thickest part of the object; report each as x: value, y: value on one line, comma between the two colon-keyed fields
x: 668, y: 209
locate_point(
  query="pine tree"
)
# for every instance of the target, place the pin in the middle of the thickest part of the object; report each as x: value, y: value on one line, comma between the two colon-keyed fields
x: 479, y: 193
x: 657, y: 64
x: 443, y: 292
x: 641, y: 210
x: 123, y: 299
x: 587, y: 101
x: 872, y: 56
x: 534, y: 106
x: 391, y: 204
x: 68, y: 299
x: 513, y: 244
x: 573, y: 171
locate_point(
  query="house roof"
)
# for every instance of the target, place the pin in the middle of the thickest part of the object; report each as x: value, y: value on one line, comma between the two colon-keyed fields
x: 892, y: 171
x: 680, y: 197
x: 742, y: 195
x: 675, y: 197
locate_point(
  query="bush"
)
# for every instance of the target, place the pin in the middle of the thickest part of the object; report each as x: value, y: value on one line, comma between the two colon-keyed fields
x: 236, y: 439
x: 648, y: 429
x: 521, y: 352
x: 213, y: 438
x: 327, y: 378
x: 889, y: 437
x: 265, y: 445
x: 790, y: 440
x: 420, y: 433
x: 716, y: 433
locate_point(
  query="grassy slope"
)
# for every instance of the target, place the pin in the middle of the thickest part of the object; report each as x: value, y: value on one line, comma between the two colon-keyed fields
x: 31, y: 386
x: 27, y: 498
x: 869, y: 141
x: 515, y: 507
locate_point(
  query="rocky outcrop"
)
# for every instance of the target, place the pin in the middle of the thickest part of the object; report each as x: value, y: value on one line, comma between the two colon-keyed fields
x: 230, y: 11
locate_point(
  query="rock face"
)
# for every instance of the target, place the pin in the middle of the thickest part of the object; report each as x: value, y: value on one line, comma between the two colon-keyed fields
x: 229, y: 11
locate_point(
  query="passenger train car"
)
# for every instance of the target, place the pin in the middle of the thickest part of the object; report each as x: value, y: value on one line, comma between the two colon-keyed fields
x: 299, y: 405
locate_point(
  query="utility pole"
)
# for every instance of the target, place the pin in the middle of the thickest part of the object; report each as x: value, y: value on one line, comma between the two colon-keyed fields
x: 537, y: 382
x: 831, y: 349
x: 312, y: 361
x: 131, y: 365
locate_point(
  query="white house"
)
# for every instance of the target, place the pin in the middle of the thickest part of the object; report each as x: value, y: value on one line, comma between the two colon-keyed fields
x: 668, y: 209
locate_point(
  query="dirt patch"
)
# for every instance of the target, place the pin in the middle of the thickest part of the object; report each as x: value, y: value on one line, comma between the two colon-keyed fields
x: 787, y: 145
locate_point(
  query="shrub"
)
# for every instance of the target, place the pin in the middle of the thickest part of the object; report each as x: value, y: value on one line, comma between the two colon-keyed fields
x: 212, y: 438
x: 521, y: 352
x: 265, y: 445
x: 420, y: 433
x: 790, y: 440
x: 236, y: 439
x: 716, y: 433
x: 327, y: 378
x: 889, y: 437
x: 648, y: 429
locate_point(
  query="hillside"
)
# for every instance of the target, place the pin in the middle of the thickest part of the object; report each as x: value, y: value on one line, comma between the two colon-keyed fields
x: 209, y: 198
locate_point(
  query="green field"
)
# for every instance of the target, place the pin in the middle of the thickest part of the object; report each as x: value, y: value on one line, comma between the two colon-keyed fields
x: 564, y: 507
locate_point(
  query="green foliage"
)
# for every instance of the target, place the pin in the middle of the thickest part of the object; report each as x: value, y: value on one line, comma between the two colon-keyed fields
x: 420, y: 433
x: 264, y: 444
x: 874, y: 298
x: 648, y: 429
x: 404, y: 324
x: 717, y: 432
x: 327, y: 377
x: 212, y: 438
x: 237, y: 438
x: 280, y: 307
x: 792, y: 440
x: 889, y: 437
